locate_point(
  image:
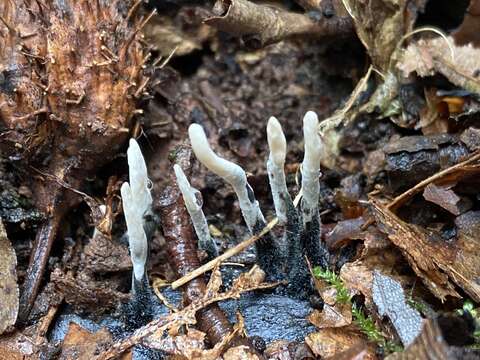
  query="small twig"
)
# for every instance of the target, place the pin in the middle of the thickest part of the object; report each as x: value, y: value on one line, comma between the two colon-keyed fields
x: 34, y: 113
x: 77, y: 101
x: 167, y: 60
x: 229, y: 253
x: 162, y: 323
x: 133, y: 9
x: 9, y: 27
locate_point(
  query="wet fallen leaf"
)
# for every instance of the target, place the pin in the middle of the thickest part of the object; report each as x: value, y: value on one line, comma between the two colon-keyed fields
x: 81, y: 344
x: 436, y: 262
x: 389, y: 298
x: 8, y: 282
x: 327, y: 343
x: 335, y: 316
x: 377, y: 254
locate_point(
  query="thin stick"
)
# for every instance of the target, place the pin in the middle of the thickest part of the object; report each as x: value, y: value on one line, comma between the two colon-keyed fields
x: 229, y: 253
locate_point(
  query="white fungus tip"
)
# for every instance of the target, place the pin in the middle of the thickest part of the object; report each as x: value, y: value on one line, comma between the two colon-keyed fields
x: 137, y: 201
x: 189, y: 194
x: 311, y: 165
x: 313, y: 144
x: 310, y: 120
x: 229, y: 171
x: 276, y: 142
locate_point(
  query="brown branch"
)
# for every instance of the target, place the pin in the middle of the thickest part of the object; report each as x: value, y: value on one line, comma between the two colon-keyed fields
x: 260, y: 25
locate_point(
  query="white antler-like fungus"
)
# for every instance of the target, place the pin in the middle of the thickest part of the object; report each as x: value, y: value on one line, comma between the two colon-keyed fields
x: 137, y: 201
x: 311, y: 166
x: 230, y: 172
x: 275, y: 167
x: 194, y: 208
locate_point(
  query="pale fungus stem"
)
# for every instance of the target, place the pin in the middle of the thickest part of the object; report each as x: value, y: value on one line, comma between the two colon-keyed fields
x: 231, y: 173
x: 311, y: 166
x: 192, y: 199
x: 137, y: 202
x: 275, y: 168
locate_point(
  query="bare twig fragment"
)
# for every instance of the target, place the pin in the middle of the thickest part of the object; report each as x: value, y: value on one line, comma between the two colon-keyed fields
x: 261, y: 25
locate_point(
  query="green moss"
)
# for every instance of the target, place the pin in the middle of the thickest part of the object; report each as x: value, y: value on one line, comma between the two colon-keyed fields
x: 365, y: 323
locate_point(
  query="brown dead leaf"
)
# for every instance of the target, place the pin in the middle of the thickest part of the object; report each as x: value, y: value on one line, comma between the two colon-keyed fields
x: 80, y: 344
x: 8, y: 282
x: 335, y: 316
x: 436, y: 262
x: 18, y: 346
x: 457, y: 63
x: 328, y: 343
x: 446, y: 198
x: 359, y: 351
x: 240, y: 353
x: 189, y: 345
x: 378, y: 254
x: 214, y: 283
x: 380, y: 24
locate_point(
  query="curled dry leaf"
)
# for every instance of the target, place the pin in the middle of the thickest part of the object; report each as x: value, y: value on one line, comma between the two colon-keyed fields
x: 328, y: 343
x: 335, y: 316
x: 81, y: 344
x: 457, y: 63
x: 380, y: 24
x: 437, y: 263
x: 8, y: 282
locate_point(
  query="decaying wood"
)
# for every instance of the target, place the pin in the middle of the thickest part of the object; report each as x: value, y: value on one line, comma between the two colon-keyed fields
x: 69, y: 72
x: 261, y: 25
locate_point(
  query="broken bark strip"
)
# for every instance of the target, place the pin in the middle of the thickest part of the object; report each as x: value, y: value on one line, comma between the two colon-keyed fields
x: 261, y: 25
x: 182, y: 249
